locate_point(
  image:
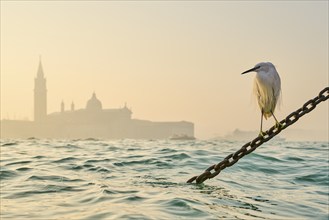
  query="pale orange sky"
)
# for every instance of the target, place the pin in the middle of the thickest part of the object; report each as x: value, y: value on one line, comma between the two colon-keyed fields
x: 170, y: 61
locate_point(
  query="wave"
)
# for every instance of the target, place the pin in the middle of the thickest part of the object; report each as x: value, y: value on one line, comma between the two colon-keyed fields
x: 126, y: 179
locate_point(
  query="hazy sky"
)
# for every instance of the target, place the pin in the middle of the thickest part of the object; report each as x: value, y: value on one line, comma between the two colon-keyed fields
x: 170, y: 61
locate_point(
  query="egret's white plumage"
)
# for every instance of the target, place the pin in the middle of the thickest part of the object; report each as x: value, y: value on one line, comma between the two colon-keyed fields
x: 267, y: 89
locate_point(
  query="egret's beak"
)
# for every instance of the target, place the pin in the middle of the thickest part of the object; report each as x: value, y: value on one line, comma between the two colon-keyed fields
x: 251, y: 70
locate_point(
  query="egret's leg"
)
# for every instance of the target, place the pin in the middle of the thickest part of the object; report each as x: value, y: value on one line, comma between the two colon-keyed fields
x: 261, y: 133
x: 277, y: 123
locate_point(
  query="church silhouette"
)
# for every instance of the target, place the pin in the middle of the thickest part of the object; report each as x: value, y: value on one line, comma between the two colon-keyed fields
x: 93, y: 121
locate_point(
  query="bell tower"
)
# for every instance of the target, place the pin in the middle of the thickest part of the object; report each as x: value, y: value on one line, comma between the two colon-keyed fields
x: 40, y: 95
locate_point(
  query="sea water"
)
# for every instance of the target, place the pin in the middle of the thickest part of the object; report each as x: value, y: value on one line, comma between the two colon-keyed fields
x: 146, y: 179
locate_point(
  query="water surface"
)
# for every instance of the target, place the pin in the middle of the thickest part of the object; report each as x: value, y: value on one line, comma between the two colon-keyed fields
x: 146, y: 179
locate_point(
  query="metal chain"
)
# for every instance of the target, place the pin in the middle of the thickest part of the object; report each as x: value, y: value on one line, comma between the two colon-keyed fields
x: 269, y: 134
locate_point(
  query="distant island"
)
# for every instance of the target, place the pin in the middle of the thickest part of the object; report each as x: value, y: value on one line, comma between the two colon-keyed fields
x: 288, y: 134
x: 93, y: 121
x: 240, y: 135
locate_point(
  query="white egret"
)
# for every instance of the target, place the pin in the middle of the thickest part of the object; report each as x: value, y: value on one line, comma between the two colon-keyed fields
x: 267, y: 89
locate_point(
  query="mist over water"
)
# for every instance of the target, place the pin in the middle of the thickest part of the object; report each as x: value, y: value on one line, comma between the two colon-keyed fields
x: 145, y: 179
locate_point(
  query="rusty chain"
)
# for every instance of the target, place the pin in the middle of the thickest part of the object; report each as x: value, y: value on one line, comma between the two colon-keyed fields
x: 269, y: 134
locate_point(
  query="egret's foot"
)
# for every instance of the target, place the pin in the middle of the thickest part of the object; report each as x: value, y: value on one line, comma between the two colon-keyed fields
x: 262, y: 134
x: 278, y: 125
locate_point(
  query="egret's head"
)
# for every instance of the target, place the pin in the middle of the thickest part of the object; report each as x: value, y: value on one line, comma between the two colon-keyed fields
x: 260, y: 67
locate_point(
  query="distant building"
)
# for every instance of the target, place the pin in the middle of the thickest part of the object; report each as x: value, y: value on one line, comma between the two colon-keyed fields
x: 40, y: 95
x: 91, y: 121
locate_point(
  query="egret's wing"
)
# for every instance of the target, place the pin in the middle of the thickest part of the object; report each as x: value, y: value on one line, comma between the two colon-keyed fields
x: 277, y: 89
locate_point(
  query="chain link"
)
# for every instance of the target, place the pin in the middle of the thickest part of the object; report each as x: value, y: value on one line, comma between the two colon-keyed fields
x: 269, y: 134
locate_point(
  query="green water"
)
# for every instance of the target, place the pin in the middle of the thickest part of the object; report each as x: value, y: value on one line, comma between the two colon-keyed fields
x: 138, y: 179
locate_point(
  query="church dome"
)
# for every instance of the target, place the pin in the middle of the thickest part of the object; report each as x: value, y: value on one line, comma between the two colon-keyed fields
x: 94, y: 104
